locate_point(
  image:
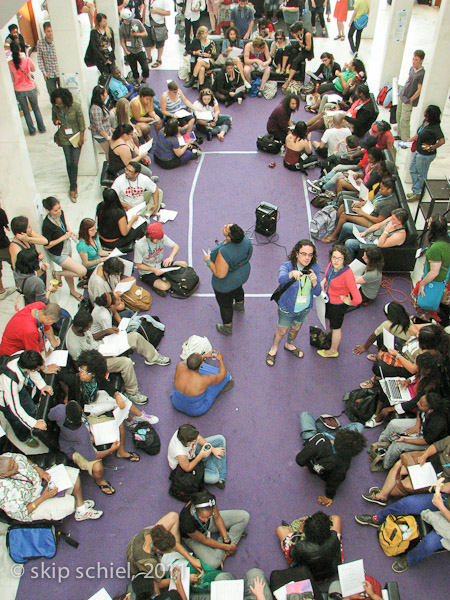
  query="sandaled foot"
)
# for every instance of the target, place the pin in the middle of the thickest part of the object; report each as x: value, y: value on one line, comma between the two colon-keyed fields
x: 78, y: 297
x: 372, y: 357
x: 271, y: 359
x: 107, y: 489
x: 328, y: 240
x: 132, y: 457
x: 295, y: 351
x: 156, y: 64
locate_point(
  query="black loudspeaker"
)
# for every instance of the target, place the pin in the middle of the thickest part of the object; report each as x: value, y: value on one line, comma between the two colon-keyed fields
x: 266, y: 219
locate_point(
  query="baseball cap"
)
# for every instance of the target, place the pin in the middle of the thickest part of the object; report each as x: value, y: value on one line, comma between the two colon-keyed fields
x: 126, y: 13
x: 155, y: 231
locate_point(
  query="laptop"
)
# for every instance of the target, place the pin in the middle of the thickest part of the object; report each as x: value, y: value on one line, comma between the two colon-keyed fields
x: 393, y: 390
x: 348, y: 203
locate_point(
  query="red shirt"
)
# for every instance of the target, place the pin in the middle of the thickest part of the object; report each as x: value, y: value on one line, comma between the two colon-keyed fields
x: 22, y: 331
x: 342, y: 285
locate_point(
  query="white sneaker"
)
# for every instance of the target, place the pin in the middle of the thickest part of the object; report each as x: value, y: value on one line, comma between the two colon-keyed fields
x: 87, y: 514
x: 89, y: 504
x: 146, y: 417
x: 162, y: 361
x: 247, y: 84
x: 137, y: 398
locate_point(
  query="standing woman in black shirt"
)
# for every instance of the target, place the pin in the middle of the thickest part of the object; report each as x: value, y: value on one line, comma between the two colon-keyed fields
x: 59, y: 247
x: 428, y: 139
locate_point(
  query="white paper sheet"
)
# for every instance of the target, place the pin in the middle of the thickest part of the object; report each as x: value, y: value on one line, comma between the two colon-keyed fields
x: 165, y: 215
x: 60, y: 477
x: 168, y: 269
x: 363, y: 193
x: 351, y: 577
x: 57, y: 357
x: 422, y: 477
x: 123, y: 286
x: 388, y: 339
x: 352, y: 180
x: 104, y: 403
x: 185, y: 573
x: 140, y: 221
x: 203, y: 115
x: 2, y: 432
x: 181, y: 113
x: 334, y: 98
x: 368, y: 208
x: 124, y: 324
x: 105, y: 433
x: 129, y: 266
x: 320, y: 309
x: 281, y: 593
x: 115, y: 344
x: 240, y: 89
x: 227, y: 590
x: 145, y: 147
x: 235, y: 52
x: 357, y: 235
x: 116, y: 252
x: 101, y: 595
x: 135, y: 210
x: 357, y: 267
x: 120, y: 414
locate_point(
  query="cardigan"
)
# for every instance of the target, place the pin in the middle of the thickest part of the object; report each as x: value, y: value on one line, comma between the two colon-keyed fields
x: 341, y: 285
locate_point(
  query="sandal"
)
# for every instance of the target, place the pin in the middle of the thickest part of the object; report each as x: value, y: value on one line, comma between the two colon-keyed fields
x: 372, y: 357
x: 296, y: 352
x: 55, y: 276
x: 132, y: 457
x: 156, y: 64
x: 107, y: 489
x: 271, y: 359
x: 366, y: 385
x: 310, y: 109
x: 78, y: 297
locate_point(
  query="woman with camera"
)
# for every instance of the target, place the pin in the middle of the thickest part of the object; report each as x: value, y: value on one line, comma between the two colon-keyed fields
x: 299, y: 282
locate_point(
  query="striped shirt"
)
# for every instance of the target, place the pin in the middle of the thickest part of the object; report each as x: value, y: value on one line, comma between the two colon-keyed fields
x: 172, y: 106
x: 164, y: 146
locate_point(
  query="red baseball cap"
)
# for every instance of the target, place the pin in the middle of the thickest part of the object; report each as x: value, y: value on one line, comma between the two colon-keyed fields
x: 155, y: 231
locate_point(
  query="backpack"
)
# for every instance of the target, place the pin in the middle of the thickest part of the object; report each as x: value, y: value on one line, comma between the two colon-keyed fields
x: 307, y: 88
x: 269, y: 90
x: 137, y: 298
x: 151, y: 333
x: 89, y: 57
x: 5, y: 370
x: 256, y: 83
x: 319, y: 338
x: 323, y: 223
x: 360, y: 404
x: 183, y: 282
x: 384, y: 97
x: 323, y: 199
x: 186, y: 483
x: 267, y: 143
x: 390, y: 534
x: 146, y: 438
x: 35, y: 540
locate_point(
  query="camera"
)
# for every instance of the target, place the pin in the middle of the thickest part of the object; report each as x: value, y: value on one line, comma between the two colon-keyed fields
x: 306, y: 270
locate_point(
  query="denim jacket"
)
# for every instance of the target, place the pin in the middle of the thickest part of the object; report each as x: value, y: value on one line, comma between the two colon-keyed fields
x: 287, y: 300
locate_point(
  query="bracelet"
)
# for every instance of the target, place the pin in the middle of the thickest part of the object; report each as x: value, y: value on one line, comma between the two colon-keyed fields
x: 33, y: 505
x: 227, y: 538
x: 208, y: 262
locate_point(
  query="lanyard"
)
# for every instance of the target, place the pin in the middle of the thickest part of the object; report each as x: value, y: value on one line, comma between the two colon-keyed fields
x: 202, y: 525
x: 300, y: 284
x: 48, y: 47
x: 332, y: 274
x: 26, y: 375
x: 155, y: 552
x: 381, y: 198
x: 41, y: 330
x: 59, y: 223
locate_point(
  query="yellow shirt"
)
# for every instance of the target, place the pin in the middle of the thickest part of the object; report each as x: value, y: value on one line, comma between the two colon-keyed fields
x: 361, y: 8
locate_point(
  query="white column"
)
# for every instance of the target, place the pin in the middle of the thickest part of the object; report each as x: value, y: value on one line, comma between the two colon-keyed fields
x: 436, y: 83
x: 17, y: 185
x: 71, y: 66
x: 391, y: 56
x: 109, y: 8
x: 369, y: 31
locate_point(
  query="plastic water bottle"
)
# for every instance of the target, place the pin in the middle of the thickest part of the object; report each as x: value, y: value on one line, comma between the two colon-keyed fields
x: 283, y: 150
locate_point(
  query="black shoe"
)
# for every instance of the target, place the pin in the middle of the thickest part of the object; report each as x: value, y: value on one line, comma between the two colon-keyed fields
x: 209, y: 136
x: 199, y: 140
x: 190, y: 83
x: 220, y: 484
x: 285, y: 523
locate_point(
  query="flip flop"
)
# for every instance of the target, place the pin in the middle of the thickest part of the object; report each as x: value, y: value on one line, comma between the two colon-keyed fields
x: 372, y: 357
x: 107, y: 489
x: 296, y: 352
x: 156, y: 64
x: 322, y: 353
x: 311, y: 110
x: 270, y: 360
x: 77, y: 297
x: 132, y: 457
x: 366, y: 385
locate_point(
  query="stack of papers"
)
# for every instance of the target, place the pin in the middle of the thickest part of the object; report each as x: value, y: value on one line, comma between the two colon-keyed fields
x: 115, y: 344
x: 227, y: 590
x: 60, y: 477
x: 235, y: 52
x: 165, y: 215
x: 352, y: 577
x: 105, y: 433
x: 145, y: 147
x: 57, y: 357
x: 203, y: 115
x: 181, y: 113
x: 422, y: 477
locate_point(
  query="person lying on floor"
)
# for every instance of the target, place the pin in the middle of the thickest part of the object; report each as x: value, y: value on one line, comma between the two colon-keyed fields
x: 197, y: 384
x: 329, y: 453
x: 433, y: 510
x: 398, y: 482
x: 383, y: 205
x: 314, y: 541
x: 386, y: 234
x: 145, y: 549
x: 187, y: 448
x: 200, y: 518
x: 27, y: 494
x: 149, y: 258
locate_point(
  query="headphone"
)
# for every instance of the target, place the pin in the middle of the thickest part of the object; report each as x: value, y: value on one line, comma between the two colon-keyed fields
x: 209, y: 504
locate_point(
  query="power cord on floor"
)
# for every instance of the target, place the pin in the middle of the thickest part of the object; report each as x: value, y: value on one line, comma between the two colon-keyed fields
x: 387, y: 284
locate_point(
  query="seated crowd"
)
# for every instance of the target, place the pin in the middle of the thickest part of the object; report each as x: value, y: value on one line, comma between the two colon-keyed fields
x: 99, y: 379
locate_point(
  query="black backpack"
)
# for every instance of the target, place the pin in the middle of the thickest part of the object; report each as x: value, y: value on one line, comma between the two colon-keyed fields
x: 151, y: 333
x: 146, y: 438
x: 186, y: 483
x: 267, y: 143
x: 360, y: 405
x: 183, y: 282
x: 5, y: 370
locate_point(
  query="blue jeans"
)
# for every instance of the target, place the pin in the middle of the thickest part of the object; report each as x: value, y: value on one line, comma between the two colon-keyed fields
x: 223, y: 124
x: 215, y: 468
x: 331, y: 178
x: 419, y: 170
x: 22, y: 99
x: 414, y: 505
x: 72, y: 156
x: 310, y: 425
x: 351, y: 243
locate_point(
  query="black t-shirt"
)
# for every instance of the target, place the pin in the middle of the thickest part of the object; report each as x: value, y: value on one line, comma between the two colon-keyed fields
x: 428, y: 136
x: 4, y: 241
x: 52, y: 232
x: 189, y: 524
x: 108, y: 223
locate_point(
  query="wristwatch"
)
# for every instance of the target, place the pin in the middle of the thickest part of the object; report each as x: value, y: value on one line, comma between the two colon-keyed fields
x: 225, y: 540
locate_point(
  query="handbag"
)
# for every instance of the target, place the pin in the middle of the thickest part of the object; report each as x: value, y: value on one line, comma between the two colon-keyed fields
x: 361, y: 22
x: 280, y: 290
x: 159, y: 32
x: 319, y: 338
x: 137, y: 298
x: 433, y: 292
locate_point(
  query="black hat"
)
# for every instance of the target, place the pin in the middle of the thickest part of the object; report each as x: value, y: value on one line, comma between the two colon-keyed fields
x: 73, y: 415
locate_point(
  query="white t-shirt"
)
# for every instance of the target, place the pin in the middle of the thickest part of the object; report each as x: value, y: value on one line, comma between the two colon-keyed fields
x: 199, y: 107
x: 132, y: 192
x: 194, y: 15
x: 162, y: 5
x: 102, y: 319
x: 150, y: 254
x: 333, y: 136
x: 176, y: 448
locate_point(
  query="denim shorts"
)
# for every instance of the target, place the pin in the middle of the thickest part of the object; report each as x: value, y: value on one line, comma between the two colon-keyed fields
x: 286, y: 318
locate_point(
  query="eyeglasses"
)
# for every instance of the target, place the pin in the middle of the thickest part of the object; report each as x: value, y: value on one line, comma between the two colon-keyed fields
x: 279, y: 37
x: 80, y: 370
x: 310, y: 255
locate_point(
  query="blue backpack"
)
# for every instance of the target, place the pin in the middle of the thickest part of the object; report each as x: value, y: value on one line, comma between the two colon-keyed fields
x: 255, y: 87
x: 27, y: 541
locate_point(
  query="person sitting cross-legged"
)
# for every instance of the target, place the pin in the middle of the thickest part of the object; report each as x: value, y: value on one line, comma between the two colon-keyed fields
x: 133, y: 188
x: 197, y: 384
x: 149, y: 258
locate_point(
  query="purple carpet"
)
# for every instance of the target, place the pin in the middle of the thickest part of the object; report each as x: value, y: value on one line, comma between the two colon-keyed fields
x: 259, y: 417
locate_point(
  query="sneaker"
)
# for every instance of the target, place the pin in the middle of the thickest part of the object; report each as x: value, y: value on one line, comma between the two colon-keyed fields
x: 154, y: 178
x: 162, y: 361
x: 247, y: 84
x: 224, y: 329
x: 401, y: 565
x: 371, y: 497
x: 220, y: 484
x: 314, y: 188
x: 89, y: 504
x: 145, y: 417
x: 239, y: 306
x: 8, y: 291
x: 88, y: 514
x: 367, y: 520
x: 372, y: 422
x: 137, y: 398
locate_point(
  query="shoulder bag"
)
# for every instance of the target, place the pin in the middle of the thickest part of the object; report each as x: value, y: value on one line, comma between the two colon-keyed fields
x: 433, y: 293
x: 137, y: 298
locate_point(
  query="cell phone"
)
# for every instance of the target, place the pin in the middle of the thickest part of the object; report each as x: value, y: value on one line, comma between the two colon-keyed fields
x: 394, y: 437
